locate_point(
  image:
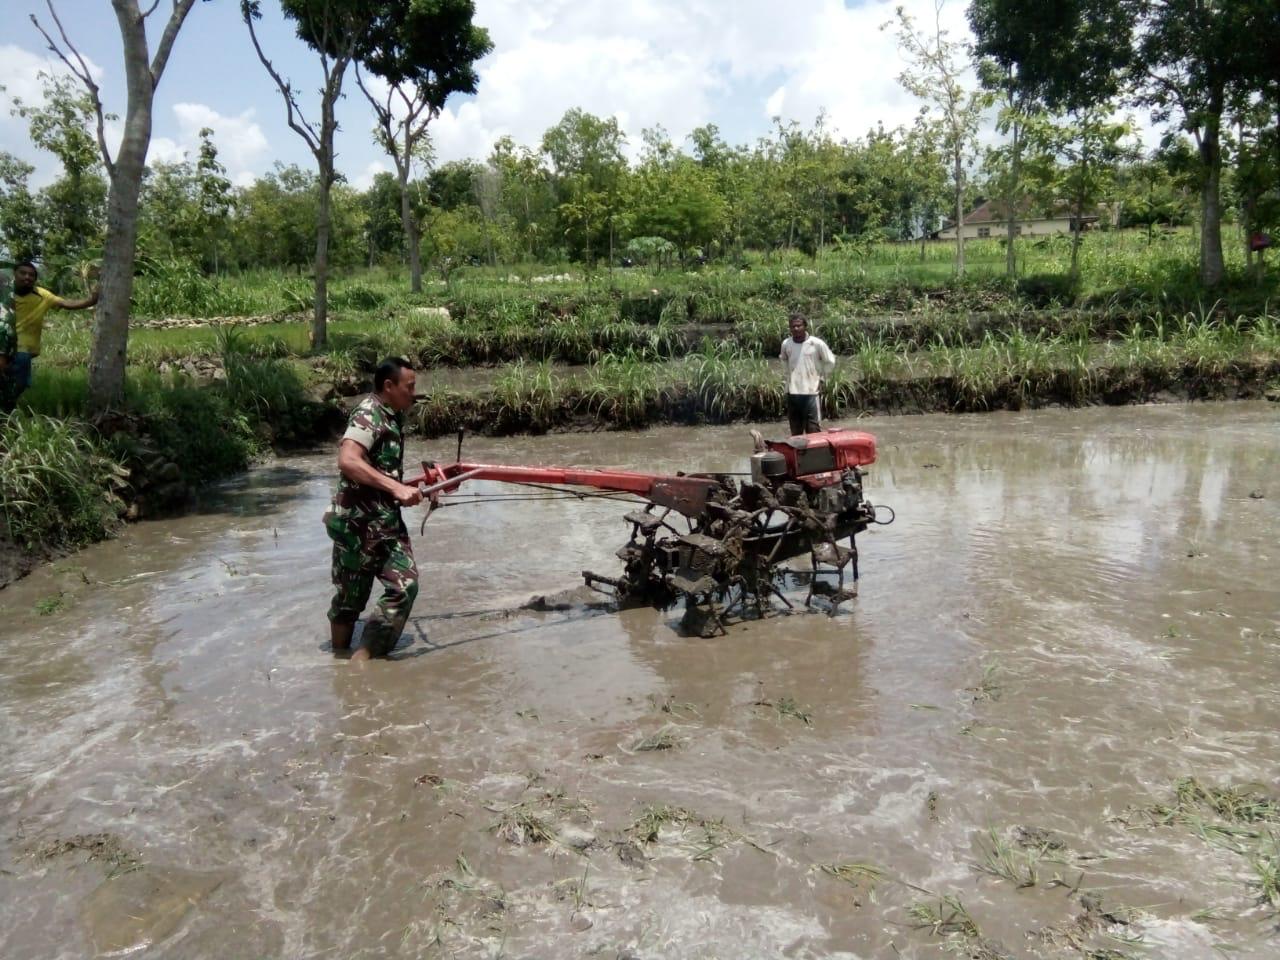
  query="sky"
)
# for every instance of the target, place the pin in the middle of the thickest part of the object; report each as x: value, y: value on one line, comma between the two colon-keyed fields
x: 678, y: 63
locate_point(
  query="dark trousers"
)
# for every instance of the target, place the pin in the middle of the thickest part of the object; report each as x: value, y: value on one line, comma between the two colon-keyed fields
x: 802, y: 413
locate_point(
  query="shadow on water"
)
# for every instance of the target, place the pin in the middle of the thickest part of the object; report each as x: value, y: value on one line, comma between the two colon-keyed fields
x: 262, y: 492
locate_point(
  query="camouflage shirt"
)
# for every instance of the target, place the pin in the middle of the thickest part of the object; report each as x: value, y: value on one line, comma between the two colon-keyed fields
x: 380, y: 430
x: 8, y: 323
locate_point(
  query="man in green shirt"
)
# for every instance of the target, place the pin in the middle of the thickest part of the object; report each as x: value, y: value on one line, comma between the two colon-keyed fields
x: 30, y: 304
x: 370, y: 540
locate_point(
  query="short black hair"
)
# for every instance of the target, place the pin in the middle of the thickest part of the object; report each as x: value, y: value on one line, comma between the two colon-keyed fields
x: 798, y: 316
x: 389, y: 369
x: 27, y: 263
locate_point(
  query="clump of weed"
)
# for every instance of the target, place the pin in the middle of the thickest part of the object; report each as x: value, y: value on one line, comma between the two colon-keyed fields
x: 702, y: 836
x: 1096, y: 919
x: 664, y: 739
x: 58, y: 486
x: 1238, y: 809
x: 648, y: 826
x: 947, y: 917
x: 1245, y: 817
x: 51, y: 604
x: 990, y: 686
x: 670, y: 707
x: 105, y: 848
x: 862, y: 877
x: 944, y: 917
x: 535, y: 819
x: 520, y: 825
x: 1264, y: 862
x: 784, y: 707
x: 1002, y: 859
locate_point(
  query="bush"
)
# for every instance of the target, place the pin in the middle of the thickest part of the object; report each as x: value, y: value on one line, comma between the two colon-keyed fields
x: 357, y: 296
x: 1042, y: 290
x: 57, y: 485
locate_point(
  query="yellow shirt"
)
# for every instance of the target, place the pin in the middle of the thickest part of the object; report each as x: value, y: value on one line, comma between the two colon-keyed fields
x: 29, y: 309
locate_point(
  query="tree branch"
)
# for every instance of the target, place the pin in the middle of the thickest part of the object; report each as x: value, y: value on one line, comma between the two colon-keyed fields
x: 300, y: 124
x: 180, y: 10
x: 84, y: 76
x: 409, y: 125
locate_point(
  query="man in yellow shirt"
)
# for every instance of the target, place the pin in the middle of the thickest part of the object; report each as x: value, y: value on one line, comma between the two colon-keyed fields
x: 30, y: 304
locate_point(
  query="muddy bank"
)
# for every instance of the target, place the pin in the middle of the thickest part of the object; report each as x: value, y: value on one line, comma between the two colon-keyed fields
x: 570, y: 404
x: 987, y: 751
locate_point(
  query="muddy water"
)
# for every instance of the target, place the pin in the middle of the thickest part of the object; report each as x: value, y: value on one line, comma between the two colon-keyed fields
x: 1073, y: 610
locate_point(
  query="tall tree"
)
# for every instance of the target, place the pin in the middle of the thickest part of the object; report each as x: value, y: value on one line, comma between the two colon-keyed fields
x: 333, y: 29
x: 586, y: 157
x: 62, y: 124
x: 1089, y: 149
x: 20, y: 234
x: 526, y: 192
x: 143, y: 70
x: 1187, y: 60
x: 215, y: 199
x: 424, y: 51
x: 935, y: 74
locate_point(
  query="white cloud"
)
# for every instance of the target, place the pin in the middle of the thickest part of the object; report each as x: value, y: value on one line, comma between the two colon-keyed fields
x: 364, y: 179
x: 240, y: 141
x: 20, y: 76
x: 845, y: 64
x: 679, y: 63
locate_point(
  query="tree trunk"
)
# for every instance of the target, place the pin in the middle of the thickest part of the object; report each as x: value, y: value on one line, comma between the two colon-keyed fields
x: 1211, y: 265
x: 1011, y: 204
x: 320, y: 307
x: 412, y: 235
x: 1075, y: 242
x: 959, y: 175
x: 111, y: 319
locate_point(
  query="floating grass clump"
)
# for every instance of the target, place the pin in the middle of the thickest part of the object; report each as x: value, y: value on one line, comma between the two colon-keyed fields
x: 1240, y: 804
x: 665, y: 739
x: 1002, y: 859
x: 862, y: 877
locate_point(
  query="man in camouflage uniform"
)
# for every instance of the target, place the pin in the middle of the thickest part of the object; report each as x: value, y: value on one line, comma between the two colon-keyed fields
x: 8, y: 341
x: 369, y: 536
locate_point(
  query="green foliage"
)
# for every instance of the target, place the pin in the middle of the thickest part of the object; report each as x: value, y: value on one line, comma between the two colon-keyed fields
x: 58, y: 487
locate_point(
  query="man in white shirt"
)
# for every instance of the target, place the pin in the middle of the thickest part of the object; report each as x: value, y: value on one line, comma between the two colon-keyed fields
x: 808, y: 361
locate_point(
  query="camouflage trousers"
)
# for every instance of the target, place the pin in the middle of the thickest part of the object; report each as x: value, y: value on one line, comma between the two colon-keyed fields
x: 362, y: 551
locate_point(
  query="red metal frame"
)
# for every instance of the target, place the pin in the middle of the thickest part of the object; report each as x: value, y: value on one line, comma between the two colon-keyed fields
x: 687, y: 495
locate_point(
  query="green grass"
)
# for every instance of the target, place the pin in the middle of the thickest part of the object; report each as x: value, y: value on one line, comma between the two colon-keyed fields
x: 689, y: 347
x: 59, y: 487
x: 63, y: 483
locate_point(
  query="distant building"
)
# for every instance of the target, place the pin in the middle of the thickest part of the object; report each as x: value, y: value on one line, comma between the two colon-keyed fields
x: 988, y: 219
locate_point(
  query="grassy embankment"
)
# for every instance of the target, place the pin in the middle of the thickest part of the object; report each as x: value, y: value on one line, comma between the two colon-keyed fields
x: 683, y: 347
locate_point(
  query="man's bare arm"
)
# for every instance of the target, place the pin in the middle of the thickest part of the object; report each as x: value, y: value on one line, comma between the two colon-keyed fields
x: 84, y: 304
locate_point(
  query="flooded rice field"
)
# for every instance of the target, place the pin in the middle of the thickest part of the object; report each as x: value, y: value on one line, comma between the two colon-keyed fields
x: 1048, y: 727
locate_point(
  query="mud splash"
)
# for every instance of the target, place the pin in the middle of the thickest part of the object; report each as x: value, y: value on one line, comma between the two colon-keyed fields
x: 1074, y: 613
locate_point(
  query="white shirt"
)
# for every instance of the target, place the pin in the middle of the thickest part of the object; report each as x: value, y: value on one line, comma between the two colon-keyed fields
x: 807, y: 363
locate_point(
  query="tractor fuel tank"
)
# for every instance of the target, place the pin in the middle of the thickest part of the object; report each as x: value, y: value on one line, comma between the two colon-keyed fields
x: 824, y: 452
